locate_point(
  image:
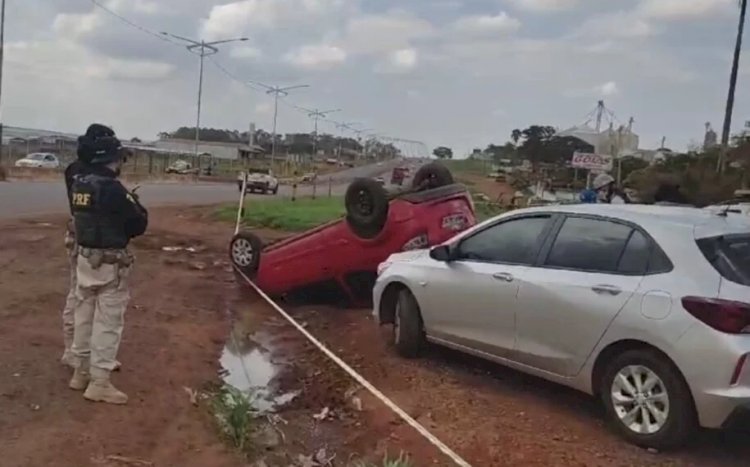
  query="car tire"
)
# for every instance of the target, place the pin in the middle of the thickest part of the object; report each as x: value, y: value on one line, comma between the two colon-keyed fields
x: 408, y: 329
x: 239, y: 187
x: 245, y: 252
x: 366, y: 204
x: 432, y: 175
x: 669, y: 396
x: 276, y: 190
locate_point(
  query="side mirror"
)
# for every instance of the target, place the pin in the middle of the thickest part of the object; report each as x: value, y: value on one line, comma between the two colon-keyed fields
x: 442, y: 253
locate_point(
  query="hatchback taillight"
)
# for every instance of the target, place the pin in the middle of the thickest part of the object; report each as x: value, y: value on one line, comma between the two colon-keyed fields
x: 723, y: 315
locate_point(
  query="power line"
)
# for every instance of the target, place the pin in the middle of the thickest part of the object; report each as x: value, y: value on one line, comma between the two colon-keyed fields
x: 132, y: 24
x: 278, y: 92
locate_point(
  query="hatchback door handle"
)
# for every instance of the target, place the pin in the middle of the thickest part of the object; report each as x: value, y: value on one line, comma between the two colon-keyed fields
x: 607, y: 289
x: 503, y: 276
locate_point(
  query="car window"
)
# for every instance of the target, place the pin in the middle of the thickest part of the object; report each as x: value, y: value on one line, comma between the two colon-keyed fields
x: 515, y: 241
x: 635, y: 259
x: 49, y: 158
x: 589, y: 245
x: 36, y: 157
x: 730, y: 256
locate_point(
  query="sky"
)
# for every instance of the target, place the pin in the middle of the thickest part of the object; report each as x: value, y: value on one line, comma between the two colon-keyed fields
x: 458, y: 73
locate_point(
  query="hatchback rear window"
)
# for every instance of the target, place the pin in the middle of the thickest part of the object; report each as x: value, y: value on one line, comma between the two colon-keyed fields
x: 729, y: 255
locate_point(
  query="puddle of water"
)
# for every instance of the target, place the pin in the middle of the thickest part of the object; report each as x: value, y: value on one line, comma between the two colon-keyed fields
x: 249, y: 367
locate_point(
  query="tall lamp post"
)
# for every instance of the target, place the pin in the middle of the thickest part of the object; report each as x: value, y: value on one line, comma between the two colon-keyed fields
x: 2, y: 57
x: 343, y: 126
x: 732, y: 88
x: 277, y: 91
x: 202, y: 49
x: 317, y: 114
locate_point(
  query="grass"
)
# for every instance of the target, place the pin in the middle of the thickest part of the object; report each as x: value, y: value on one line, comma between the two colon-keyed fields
x: 287, y: 215
x: 233, y: 410
x: 467, y: 166
x: 401, y: 461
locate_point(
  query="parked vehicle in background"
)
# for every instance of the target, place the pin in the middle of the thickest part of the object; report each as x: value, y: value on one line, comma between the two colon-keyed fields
x: 343, y: 255
x: 39, y: 160
x: 181, y: 167
x: 309, y: 177
x: 739, y: 205
x: 645, y: 307
x: 380, y: 180
x: 261, y: 180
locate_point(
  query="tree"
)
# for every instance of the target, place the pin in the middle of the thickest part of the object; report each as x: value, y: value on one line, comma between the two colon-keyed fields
x: 443, y: 152
x: 733, y: 82
x: 534, y: 140
x: 500, y: 153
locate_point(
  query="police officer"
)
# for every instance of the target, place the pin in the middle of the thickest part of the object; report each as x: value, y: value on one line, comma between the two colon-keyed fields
x: 106, y: 217
x: 607, y: 191
x: 78, y: 167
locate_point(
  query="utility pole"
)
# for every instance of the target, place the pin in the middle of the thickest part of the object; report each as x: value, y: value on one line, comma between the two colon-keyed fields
x: 732, y: 87
x: 202, y: 49
x: 317, y: 114
x: 2, y: 58
x: 359, y: 136
x: 277, y: 92
x: 342, y: 127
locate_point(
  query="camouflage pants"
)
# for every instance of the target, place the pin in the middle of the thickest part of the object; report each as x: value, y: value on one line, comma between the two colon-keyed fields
x: 103, y: 295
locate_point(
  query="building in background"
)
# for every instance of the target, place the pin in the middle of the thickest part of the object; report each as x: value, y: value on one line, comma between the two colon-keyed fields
x: 710, y: 138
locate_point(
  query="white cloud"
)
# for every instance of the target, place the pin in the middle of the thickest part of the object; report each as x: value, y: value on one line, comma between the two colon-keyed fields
x: 76, y: 25
x: 241, y: 17
x: 619, y: 24
x: 141, y: 70
x: 544, y: 5
x: 245, y: 51
x: 138, y: 6
x: 608, y: 89
x: 683, y: 9
x: 318, y: 57
x: 501, y: 23
x: 263, y: 108
x: 405, y: 59
x: 385, y: 33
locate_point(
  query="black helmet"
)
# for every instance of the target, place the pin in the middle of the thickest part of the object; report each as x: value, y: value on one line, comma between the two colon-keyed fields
x: 99, y: 145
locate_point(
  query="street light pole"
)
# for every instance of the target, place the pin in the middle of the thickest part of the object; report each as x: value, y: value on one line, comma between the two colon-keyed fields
x: 2, y: 59
x: 342, y: 127
x: 277, y: 92
x: 317, y: 114
x: 202, y: 49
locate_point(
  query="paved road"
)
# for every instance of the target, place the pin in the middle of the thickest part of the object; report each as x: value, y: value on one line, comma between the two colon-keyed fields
x: 28, y: 199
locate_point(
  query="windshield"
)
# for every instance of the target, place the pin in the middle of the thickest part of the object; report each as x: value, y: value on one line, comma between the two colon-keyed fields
x: 729, y: 255
x: 35, y: 157
x: 259, y: 171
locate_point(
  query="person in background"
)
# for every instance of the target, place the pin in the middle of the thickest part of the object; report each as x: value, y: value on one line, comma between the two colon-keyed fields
x: 607, y: 191
x: 107, y: 217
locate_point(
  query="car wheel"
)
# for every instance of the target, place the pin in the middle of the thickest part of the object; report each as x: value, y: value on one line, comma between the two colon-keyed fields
x: 408, y: 331
x: 276, y: 190
x: 647, y: 400
x: 366, y: 207
x: 239, y: 186
x: 244, y: 251
x: 432, y: 175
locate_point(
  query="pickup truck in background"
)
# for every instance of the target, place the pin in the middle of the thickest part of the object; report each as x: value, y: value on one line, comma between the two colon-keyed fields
x: 261, y: 180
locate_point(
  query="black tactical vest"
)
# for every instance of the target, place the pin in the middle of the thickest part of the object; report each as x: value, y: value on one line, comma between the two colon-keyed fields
x: 96, y: 226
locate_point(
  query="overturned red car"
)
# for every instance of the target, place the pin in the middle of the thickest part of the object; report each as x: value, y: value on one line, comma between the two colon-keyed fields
x: 343, y: 256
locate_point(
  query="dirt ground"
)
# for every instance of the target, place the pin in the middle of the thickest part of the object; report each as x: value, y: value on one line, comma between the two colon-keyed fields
x: 190, y: 316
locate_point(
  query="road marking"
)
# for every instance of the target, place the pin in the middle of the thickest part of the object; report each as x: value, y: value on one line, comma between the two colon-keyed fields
x: 360, y: 379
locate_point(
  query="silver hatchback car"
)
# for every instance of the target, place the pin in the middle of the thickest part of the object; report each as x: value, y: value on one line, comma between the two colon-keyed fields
x: 646, y: 307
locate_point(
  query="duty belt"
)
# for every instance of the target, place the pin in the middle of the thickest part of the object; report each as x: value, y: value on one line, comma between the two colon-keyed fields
x: 98, y: 257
